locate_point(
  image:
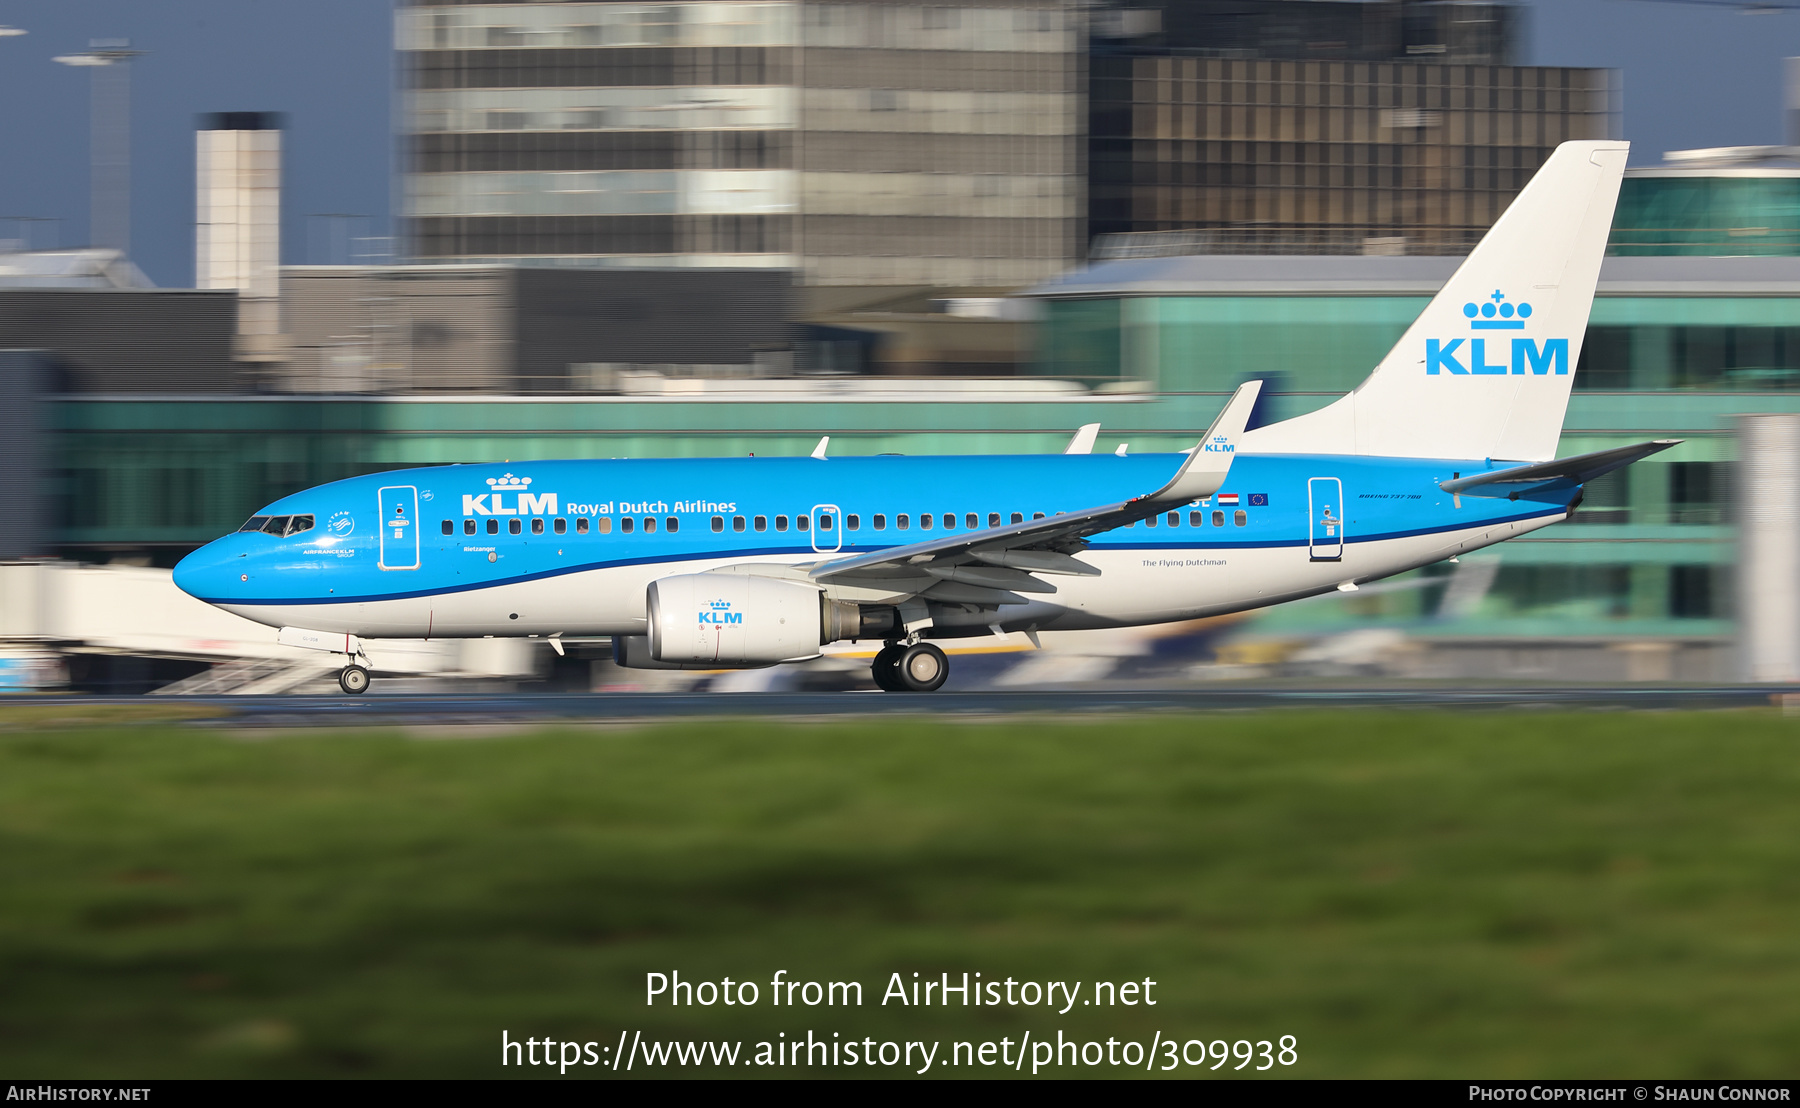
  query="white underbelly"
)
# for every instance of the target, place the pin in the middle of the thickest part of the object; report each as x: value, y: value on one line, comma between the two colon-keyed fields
x: 1135, y: 587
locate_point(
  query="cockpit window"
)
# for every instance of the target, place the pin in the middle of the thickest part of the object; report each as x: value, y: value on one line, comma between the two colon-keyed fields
x: 279, y: 526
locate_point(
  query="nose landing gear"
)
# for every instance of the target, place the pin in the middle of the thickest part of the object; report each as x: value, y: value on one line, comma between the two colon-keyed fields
x: 920, y: 667
x: 354, y: 680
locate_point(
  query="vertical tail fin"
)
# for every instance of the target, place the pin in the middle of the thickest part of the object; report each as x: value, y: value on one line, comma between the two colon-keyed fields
x: 1485, y: 370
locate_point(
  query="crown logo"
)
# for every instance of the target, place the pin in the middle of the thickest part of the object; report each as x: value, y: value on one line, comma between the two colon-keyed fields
x: 1497, y: 314
x: 508, y: 483
x: 721, y: 605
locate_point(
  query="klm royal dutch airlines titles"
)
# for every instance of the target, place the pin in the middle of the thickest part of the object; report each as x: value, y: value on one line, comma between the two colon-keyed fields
x: 1448, y: 446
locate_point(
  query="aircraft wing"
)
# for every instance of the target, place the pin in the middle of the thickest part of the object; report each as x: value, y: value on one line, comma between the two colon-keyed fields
x: 1561, y: 473
x: 992, y: 566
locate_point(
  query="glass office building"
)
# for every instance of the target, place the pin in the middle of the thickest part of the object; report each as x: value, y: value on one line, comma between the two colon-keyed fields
x: 859, y: 142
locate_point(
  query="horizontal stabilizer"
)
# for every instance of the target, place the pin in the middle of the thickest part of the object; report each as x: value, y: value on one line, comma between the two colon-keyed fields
x: 1564, y: 471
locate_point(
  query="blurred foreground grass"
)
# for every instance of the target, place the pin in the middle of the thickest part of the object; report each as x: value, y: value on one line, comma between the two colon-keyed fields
x: 1408, y: 893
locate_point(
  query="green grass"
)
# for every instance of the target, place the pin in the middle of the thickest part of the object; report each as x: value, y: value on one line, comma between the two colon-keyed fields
x: 1409, y: 894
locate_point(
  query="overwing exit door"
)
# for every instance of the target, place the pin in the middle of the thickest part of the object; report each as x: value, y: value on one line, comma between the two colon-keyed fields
x: 827, y: 528
x: 399, y: 526
x: 1325, y: 508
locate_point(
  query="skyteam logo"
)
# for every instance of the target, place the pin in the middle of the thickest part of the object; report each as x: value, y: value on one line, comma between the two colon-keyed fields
x: 341, y: 524
x: 1497, y: 313
x: 719, y: 612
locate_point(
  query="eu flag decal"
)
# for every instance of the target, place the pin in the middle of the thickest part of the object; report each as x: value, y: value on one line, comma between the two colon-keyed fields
x: 1259, y: 500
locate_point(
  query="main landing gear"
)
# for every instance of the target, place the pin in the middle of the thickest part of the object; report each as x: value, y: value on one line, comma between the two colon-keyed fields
x: 920, y: 667
x: 354, y: 680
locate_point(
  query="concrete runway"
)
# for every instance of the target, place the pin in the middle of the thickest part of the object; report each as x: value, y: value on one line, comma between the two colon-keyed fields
x: 415, y: 710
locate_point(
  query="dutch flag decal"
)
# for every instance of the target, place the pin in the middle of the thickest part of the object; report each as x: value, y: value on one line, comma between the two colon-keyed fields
x: 1228, y: 499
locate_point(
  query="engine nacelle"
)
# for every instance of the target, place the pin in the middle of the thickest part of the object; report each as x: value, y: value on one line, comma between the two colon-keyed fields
x: 724, y: 619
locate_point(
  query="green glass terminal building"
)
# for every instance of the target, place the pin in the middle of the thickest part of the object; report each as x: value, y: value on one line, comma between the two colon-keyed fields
x: 1681, y: 340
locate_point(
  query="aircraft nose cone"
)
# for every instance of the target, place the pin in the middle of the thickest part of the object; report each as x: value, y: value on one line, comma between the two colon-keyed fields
x: 203, y: 573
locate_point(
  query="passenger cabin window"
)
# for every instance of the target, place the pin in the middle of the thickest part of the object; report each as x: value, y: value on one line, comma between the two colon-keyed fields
x: 825, y: 523
x: 949, y: 521
x: 1196, y: 519
x: 626, y: 525
x: 1174, y: 519
x: 1151, y: 522
x: 924, y: 521
x: 993, y: 519
x: 604, y: 523
x: 1240, y: 518
x: 803, y: 522
x: 718, y: 524
x: 581, y: 526
x: 902, y: 521
x: 468, y: 527
x: 1018, y: 517
x: 972, y: 521
x: 493, y: 527
x: 762, y: 523
x: 561, y: 526
x: 737, y: 523
x: 449, y: 527
x: 649, y: 525
x: 1037, y: 515
x: 513, y: 527
x: 537, y: 526
x: 853, y: 523
x: 880, y: 522
x: 672, y: 524
x: 780, y: 523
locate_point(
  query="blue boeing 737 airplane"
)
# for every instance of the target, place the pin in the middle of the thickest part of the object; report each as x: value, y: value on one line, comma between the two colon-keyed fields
x: 1447, y: 447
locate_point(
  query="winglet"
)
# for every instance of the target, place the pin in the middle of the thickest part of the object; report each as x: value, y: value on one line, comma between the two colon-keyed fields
x: 1204, y: 471
x: 1083, y: 442
x: 819, y: 450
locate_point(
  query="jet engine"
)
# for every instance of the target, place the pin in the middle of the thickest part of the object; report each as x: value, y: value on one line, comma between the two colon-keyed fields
x: 725, y: 620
